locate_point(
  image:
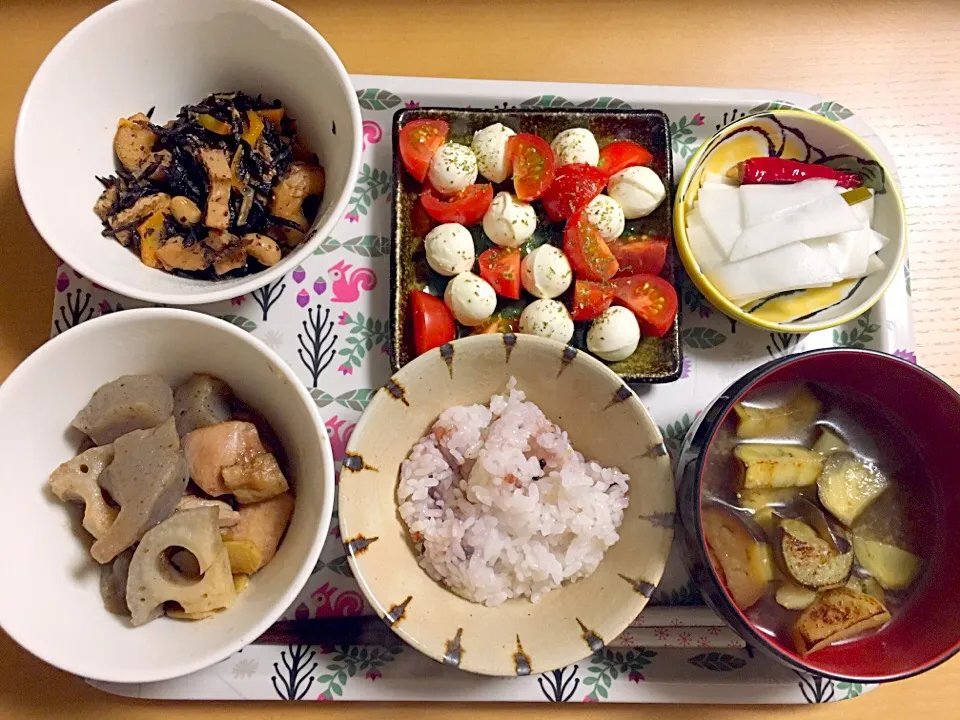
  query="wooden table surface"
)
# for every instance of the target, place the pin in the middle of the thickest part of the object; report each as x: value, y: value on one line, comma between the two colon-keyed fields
x: 897, y: 63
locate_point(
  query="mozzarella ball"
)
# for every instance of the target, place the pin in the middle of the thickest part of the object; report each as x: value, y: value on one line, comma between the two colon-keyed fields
x: 453, y: 168
x: 639, y: 190
x: 614, y: 335
x: 547, y: 318
x: 470, y: 299
x: 576, y: 145
x: 606, y: 213
x: 490, y: 147
x: 509, y: 222
x: 545, y: 272
x: 450, y: 249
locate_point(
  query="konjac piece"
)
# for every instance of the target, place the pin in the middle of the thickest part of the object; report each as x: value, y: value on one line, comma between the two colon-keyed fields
x: 76, y: 480
x: 131, y: 402
x: 152, y: 580
x: 210, y: 449
x: 255, y: 480
x: 113, y: 583
x: 263, y: 524
x: 201, y: 401
x: 147, y: 478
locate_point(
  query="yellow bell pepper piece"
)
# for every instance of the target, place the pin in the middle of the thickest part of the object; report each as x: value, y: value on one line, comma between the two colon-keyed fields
x: 151, y: 236
x: 213, y: 125
x: 272, y: 116
x: 254, y: 128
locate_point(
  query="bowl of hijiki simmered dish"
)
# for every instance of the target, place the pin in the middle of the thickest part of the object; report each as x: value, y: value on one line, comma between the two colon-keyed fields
x: 789, y: 221
x: 172, y: 490
x: 820, y: 513
x: 507, y: 504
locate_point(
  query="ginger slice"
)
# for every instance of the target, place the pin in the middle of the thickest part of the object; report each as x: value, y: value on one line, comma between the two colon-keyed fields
x: 152, y: 579
x: 76, y: 481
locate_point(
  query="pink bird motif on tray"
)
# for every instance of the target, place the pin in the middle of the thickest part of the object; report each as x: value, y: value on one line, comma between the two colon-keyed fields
x: 339, y: 433
x: 347, y: 285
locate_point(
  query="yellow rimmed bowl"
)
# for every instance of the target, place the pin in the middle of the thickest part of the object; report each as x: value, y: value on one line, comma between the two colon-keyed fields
x: 799, y: 135
x: 604, y: 419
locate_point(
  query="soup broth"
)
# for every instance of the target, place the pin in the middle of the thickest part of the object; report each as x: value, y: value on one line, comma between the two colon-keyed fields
x: 821, y: 524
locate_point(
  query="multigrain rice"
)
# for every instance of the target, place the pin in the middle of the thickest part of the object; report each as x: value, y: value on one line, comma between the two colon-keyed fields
x: 500, y: 505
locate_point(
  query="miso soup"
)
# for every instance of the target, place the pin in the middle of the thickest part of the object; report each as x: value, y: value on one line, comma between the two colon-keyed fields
x: 820, y: 527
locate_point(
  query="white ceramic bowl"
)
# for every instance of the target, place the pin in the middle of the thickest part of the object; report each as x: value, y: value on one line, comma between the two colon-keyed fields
x: 50, y: 601
x: 137, y: 54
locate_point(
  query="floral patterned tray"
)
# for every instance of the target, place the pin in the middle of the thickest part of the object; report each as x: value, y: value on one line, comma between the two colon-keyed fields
x: 328, y: 318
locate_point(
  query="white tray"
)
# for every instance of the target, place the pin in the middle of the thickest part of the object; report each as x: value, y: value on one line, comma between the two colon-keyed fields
x: 680, y: 651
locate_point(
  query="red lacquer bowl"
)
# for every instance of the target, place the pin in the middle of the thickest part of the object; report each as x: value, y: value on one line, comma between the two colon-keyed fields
x: 927, y: 411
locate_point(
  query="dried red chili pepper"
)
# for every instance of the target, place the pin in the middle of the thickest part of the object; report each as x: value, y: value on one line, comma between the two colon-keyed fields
x: 773, y: 170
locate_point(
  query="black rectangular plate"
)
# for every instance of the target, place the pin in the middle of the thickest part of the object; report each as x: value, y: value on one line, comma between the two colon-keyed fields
x: 657, y: 360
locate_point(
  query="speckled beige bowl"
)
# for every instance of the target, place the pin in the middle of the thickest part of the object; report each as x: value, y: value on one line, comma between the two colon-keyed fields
x: 605, y: 421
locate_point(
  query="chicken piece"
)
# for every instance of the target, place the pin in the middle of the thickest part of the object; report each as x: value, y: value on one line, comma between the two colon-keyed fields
x: 76, y: 480
x: 152, y: 580
x: 133, y: 142
x: 219, y: 240
x: 299, y: 182
x: 145, y: 206
x: 217, y: 165
x: 147, y: 478
x: 105, y: 202
x: 200, y: 401
x: 210, y: 449
x: 131, y: 402
x: 174, y: 255
x: 264, y: 524
x: 228, y: 517
x: 113, y: 583
x: 254, y: 480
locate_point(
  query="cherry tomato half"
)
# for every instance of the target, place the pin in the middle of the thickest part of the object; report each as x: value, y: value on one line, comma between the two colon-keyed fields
x: 467, y: 207
x: 419, y: 140
x: 621, y: 154
x: 652, y: 299
x: 573, y: 186
x: 533, y: 165
x: 589, y: 255
x: 590, y: 299
x: 640, y: 254
x: 433, y: 323
x: 500, y: 267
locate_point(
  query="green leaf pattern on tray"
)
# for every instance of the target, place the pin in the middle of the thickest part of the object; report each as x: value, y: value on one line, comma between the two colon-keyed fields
x: 371, y: 184
x: 832, y: 110
x: 609, y: 103
x: 717, y: 661
x: 773, y: 105
x: 376, y: 99
x: 607, y: 665
x: 368, y: 246
x: 350, y: 660
x: 683, y: 138
x: 702, y: 338
x: 683, y: 596
x: 906, y: 277
x: 859, y: 336
x: 547, y: 101
x: 356, y: 400
x: 240, y: 321
x: 852, y: 689
x: 674, y: 433
x: 365, y: 333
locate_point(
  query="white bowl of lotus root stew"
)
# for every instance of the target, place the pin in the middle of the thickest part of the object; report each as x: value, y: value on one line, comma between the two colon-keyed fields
x: 198, y: 173
x: 172, y: 489
x: 821, y: 513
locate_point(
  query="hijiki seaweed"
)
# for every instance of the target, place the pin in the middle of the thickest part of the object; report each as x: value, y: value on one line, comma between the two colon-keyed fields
x: 221, y: 191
